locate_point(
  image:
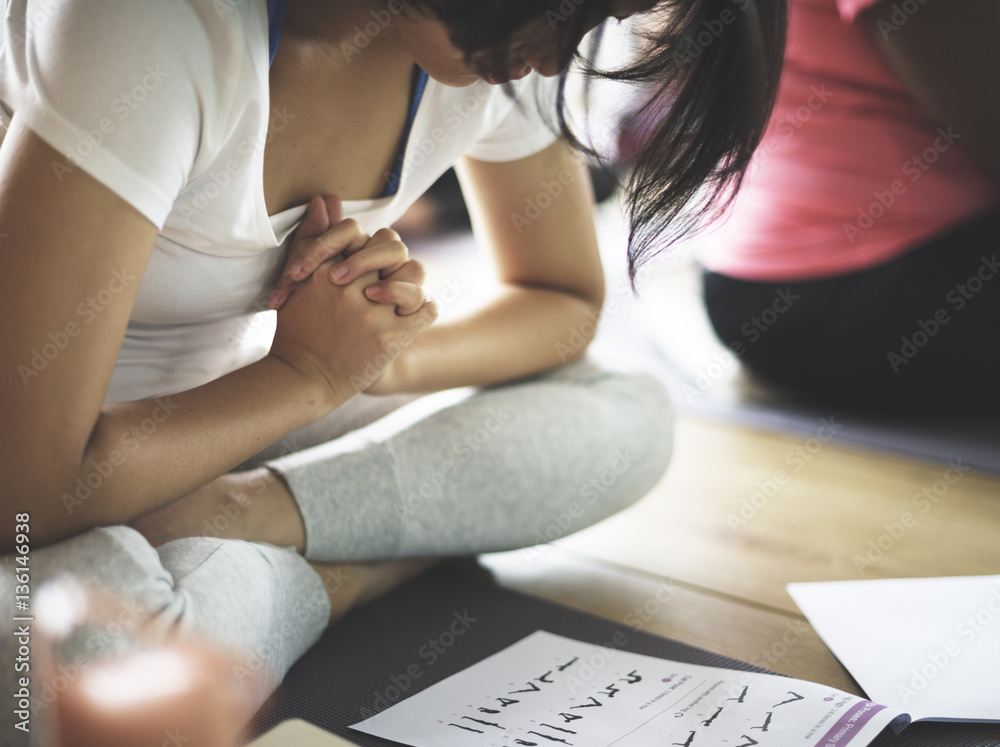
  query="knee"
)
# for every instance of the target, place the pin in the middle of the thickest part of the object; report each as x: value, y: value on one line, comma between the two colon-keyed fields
x: 625, y: 420
x: 641, y: 419
x: 116, y: 559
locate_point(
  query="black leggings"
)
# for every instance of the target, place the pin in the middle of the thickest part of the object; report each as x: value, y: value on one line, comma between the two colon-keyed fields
x: 919, y: 334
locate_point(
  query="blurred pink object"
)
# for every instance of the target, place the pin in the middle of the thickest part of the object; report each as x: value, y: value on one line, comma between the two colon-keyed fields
x: 123, y: 682
x: 851, y: 173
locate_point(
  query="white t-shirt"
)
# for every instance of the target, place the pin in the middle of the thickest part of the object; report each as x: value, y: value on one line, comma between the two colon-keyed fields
x: 167, y: 104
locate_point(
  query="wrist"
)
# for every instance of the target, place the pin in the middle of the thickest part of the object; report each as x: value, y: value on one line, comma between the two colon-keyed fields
x: 401, y: 377
x: 392, y: 380
x: 320, y: 393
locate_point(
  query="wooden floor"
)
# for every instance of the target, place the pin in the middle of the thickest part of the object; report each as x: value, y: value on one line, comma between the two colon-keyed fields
x: 704, y: 561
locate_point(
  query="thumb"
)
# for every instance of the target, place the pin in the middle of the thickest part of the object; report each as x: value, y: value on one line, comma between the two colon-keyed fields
x: 334, y: 209
x: 317, y: 219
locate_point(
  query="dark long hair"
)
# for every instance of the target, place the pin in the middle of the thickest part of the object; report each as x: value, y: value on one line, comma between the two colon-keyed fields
x: 713, y: 68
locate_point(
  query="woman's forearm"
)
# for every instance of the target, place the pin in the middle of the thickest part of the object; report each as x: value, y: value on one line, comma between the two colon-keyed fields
x: 523, y: 331
x: 549, y: 269
x: 145, y: 454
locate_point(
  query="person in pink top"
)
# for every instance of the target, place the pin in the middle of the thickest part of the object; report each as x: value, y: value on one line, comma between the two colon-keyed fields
x: 859, y: 264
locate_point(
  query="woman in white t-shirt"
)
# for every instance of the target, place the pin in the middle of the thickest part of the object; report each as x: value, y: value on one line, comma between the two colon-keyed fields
x: 170, y: 170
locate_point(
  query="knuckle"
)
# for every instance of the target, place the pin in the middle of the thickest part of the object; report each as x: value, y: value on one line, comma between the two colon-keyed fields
x: 386, y: 234
x: 416, y: 269
x: 315, y: 247
x: 327, y: 264
x: 317, y: 256
x: 385, y: 338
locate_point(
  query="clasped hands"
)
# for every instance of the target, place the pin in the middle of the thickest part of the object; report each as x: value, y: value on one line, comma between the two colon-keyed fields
x: 345, y: 299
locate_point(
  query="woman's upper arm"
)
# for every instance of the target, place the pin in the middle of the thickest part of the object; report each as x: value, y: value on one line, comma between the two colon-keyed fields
x: 947, y: 56
x: 71, y: 259
x: 536, y: 213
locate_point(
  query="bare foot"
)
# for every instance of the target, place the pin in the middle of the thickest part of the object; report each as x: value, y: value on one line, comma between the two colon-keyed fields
x: 257, y: 506
x: 254, y: 505
x: 352, y: 584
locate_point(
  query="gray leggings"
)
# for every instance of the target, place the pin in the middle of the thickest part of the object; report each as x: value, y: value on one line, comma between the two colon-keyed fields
x: 458, y: 472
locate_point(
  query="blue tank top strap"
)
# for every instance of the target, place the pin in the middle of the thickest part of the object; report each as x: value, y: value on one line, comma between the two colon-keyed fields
x: 392, y: 183
x: 275, y: 16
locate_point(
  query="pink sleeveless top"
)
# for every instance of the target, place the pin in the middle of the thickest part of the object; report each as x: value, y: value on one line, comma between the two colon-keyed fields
x: 851, y: 172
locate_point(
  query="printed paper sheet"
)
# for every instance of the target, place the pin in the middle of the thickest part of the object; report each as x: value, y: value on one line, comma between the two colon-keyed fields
x: 551, y: 691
